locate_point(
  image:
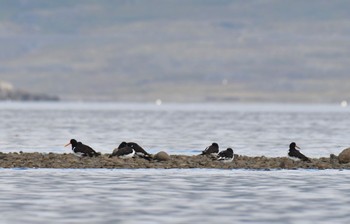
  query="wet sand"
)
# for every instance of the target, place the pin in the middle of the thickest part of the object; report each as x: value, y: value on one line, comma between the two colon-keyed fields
x: 54, y: 160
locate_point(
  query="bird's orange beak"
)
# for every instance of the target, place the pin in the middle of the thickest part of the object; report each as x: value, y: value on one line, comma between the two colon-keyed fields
x: 67, y: 144
x: 297, y: 147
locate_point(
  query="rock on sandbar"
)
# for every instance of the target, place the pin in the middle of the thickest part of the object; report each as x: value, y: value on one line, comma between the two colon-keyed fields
x: 344, y: 156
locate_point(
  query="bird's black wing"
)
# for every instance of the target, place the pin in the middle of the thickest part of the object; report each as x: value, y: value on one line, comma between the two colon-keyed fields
x: 137, y: 148
x: 210, y: 149
x: 88, y: 150
x: 121, y: 151
x: 298, y: 154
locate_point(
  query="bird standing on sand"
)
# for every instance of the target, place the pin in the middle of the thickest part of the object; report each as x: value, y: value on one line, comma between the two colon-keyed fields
x: 213, y: 149
x: 226, y: 156
x: 81, y: 150
x: 294, y: 153
x: 123, y: 151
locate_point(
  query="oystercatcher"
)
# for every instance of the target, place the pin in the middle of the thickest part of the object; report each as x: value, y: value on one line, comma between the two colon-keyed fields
x: 294, y: 153
x: 123, y: 151
x: 226, y: 156
x: 81, y: 150
x: 139, y: 151
x: 213, y: 149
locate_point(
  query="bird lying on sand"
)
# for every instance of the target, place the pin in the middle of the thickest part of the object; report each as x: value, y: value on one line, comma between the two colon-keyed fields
x: 123, y: 151
x: 139, y: 151
x: 226, y: 156
x: 213, y: 149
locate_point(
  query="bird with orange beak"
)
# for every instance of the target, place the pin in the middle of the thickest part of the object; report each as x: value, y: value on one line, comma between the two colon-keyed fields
x: 82, y: 150
x: 294, y: 153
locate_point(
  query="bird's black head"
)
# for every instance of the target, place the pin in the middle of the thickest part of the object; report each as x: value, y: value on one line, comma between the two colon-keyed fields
x: 73, y: 142
x: 122, y: 145
x: 215, y: 144
x: 293, y: 145
x: 229, y: 150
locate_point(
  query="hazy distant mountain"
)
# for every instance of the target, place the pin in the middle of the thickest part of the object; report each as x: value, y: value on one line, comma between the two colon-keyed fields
x: 180, y: 50
x: 9, y: 92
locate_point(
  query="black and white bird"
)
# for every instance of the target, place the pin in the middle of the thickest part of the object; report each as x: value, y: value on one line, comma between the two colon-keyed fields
x: 226, y: 156
x: 123, y: 151
x: 295, y: 154
x: 81, y: 150
x: 213, y: 149
x: 139, y: 151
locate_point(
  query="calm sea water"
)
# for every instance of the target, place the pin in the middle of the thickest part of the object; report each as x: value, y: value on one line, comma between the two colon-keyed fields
x: 174, y: 196
x: 253, y: 129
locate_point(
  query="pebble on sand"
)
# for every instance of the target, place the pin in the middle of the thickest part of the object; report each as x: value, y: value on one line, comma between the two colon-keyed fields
x: 162, y: 156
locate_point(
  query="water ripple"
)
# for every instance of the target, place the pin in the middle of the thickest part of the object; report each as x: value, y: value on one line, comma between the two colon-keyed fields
x: 173, y: 196
x: 251, y: 129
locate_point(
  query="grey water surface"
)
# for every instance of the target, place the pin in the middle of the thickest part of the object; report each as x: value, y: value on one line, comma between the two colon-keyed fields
x: 250, y: 129
x: 174, y: 196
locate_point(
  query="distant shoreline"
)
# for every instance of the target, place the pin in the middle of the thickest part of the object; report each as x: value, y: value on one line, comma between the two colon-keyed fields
x: 55, y: 160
